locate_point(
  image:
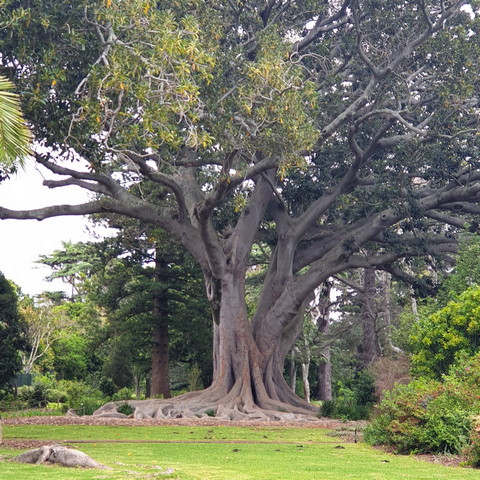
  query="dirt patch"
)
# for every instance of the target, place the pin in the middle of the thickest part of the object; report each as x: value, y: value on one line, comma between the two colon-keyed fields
x: 445, y: 460
x: 209, y: 422
x: 13, y: 444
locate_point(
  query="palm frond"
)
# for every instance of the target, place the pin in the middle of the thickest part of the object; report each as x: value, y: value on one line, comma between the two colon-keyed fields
x: 15, y: 138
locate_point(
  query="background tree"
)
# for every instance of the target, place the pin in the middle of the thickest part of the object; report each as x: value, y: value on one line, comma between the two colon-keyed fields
x: 12, y: 338
x: 151, y: 293
x: 343, y: 134
x: 64, y: 337
x: 42, y: 329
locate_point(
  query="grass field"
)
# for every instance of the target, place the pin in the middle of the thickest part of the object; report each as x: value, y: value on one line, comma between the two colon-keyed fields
x: 219, y: 453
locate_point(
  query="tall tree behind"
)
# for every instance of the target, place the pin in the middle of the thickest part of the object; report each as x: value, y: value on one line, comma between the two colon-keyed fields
x: 143, y: 282
x: 322, y: 315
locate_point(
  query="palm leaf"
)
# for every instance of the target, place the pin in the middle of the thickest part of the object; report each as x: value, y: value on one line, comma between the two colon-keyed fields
x: 15, y: 138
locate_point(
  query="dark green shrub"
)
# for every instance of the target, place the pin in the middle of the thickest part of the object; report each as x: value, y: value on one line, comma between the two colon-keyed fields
x: 194, y: 379
x: 126, y: 409
x: 328, y: 409
x: 425, y: 416
x: 107, y: 386
x: 34, y: 397
x: 353, y: 401
x: 39, y: 396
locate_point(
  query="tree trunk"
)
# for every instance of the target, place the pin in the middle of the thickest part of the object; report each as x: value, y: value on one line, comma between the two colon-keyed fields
x: 248, y: 382
x: 322, y: 319
x: 325, y: 377
x: 293, y: 371
x: 305, y: 369
x: 137, y: 378
x: 368, y: 350
x: 387, y: 312
x: 160, y: 385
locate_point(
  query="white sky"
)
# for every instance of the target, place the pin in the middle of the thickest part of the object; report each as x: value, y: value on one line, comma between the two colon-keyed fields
x: 22, y: 241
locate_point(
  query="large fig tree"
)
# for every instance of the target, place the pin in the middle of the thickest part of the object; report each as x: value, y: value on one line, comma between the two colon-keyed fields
x: 322, y: 130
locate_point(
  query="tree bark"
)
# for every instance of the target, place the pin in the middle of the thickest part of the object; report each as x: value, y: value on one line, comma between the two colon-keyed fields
x: 160, y: 385
x: 59, y: 455
x: 305, y: 370
x: 324, y: 371
x: 368, y: 350
x: 293, y: 371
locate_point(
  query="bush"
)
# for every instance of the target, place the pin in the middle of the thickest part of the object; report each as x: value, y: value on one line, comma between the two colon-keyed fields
x: 194, y: 379
x: 425, y: 416
x: 83, y: 398
x: 352, y: 402
x: 472, y: 451
x: 125, y: 408
x: 34, y: 396
x: 123, y: 394
x: 107, y: 387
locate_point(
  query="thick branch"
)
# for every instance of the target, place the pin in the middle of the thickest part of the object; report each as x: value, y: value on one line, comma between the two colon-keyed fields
x: 53, y: 211
x: 245, y: 232
x: 324, y: 25
x: 447, y: 219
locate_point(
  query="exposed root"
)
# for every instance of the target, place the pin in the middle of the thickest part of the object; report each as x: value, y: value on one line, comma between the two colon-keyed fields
x: 59, y: 455
x: 237, y: 404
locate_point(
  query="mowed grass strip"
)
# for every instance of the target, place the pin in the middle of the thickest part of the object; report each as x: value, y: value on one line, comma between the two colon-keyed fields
x: 166, y: 433
x: 222, y: 461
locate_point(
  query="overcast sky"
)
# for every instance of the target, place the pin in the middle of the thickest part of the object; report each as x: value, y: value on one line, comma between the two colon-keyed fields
x: 22, y: 241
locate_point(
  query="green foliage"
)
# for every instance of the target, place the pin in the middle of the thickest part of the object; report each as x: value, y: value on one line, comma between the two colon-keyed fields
x: 124, y: 287
x: 472, y: 451
x: 194, y: 379
x: 353, y: 401
x: 12, y: 335
x: 126, y: 409
x: 229, y: 93
x: 70, y: 356
x: 14, y: 135
x: 107, y: 386
x: 37, y: 396
x: 429, y: 416
x: 123, y: 394
x: 466, y: 272
x: 43, y: 391
x: 440, y: 338
x: 83, y: 398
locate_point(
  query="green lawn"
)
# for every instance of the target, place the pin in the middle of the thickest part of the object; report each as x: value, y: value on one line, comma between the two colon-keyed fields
x: 303, y: 454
